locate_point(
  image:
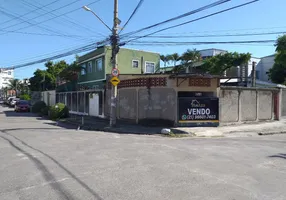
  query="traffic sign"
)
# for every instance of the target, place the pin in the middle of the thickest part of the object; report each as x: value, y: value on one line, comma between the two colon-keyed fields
x: 115, y: 72
x: 114, y: 81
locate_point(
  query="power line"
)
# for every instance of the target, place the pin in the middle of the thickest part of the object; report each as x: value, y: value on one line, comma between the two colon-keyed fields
x: 56, y: 15
x: 14, y: 16
x: 44, y: 14
x: 69, y: 20
x: 42, y: 34
x: 211, y: 35
x: 200, y: 18
x: 30, y: 59
x: 132, y: 15
x: 178, y: 17
x: 200, y: 43
x: 75, y: 51
x: 228, y: 30
x: 20, y: 16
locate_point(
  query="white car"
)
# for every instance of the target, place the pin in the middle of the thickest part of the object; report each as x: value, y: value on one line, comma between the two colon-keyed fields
x: 9, y: 100
x: 14, y: 101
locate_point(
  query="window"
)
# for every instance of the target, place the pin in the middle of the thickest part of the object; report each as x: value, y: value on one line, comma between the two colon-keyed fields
x: 9, y: 73
x: 99, y: 64
x: 135, y: 63
x: 83, y: 69
x: 89, y: 67
x: 149, y: 67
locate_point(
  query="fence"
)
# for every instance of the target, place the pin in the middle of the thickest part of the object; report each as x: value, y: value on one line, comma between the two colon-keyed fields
x: 49, y: 97
x: 248, y: 104
x: 79, y: 102
x: 283, y: 102
x: 235, y: 104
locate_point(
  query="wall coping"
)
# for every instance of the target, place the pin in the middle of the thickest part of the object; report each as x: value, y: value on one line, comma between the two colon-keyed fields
x: 248, y: 88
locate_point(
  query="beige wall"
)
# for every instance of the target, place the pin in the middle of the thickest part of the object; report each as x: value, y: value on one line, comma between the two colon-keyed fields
x: 246, y: 104
x: 157, y: 103
x: 139, y: 103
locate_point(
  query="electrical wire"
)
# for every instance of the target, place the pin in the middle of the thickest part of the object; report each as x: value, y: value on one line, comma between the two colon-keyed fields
x: 132, y: 15
x: 227, y: 30
x: 20, y: 16
x: 222, y: 35
x: 200, y: 43
x: 43, y: 34
x: 200, y: 18
x: 63, y: 18
x: 89, y: 47
x: 25, y: 21
x: 178, y: 17
x: 55, y: 16
x: 74, y: 51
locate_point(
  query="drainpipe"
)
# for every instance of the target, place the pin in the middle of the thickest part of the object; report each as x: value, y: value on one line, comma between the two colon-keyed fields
x: 253, y: 74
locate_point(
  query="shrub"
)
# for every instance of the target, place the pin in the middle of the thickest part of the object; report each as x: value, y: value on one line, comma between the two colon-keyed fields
x: 59, y: 111
x: 45, y: 111
x: 38, y: 106
x: 25, y: 97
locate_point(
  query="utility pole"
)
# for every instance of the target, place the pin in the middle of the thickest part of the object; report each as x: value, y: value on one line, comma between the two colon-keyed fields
x: 114, y: 38
x: 115, y: 50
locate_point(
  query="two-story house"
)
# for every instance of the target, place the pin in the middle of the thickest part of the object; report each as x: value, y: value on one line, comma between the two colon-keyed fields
x: 87, y: 95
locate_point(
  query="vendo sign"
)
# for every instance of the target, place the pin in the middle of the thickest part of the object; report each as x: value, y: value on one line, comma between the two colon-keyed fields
x: 198, y: 111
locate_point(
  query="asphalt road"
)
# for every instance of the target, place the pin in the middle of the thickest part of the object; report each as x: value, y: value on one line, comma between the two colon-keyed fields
x: 40, y: 161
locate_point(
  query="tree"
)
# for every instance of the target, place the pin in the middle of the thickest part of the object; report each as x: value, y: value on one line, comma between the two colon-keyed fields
x: 169, y: 58
x: 164, y: 59
x: 176, y: 57
x: 218, y: 64
x: 277, y: 74
x: 71, y: 72
x: 46, y: 79
x: 54, y: 69
x: 14, y: 84
x: 41, y: 81
x: 188, y: 59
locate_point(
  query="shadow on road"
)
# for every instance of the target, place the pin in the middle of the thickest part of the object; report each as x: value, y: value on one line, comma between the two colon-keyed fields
x: 62, y: 125
x: 48, y: 176
x: 280, y: 155
x: 12, y: 113
x: 42, y: 168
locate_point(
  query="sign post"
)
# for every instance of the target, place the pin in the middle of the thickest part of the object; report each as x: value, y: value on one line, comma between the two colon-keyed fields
x: 115, y: 72
x: 114, y: 81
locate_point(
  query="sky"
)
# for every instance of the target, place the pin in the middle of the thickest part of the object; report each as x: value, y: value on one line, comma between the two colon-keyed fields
x: 33, y: 29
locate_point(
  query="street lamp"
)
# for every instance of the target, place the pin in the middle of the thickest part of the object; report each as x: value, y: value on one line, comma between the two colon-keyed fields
x: 115, y: 48
x: 89, y: 10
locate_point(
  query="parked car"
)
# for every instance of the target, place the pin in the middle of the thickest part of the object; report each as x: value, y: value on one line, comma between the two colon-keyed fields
x: 1, y: 100
x: 22, y: 105
x: 9, y: 99
x: 14, y: 101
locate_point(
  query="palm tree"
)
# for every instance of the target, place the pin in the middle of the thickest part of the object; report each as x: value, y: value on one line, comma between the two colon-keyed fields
x: 14, y: 84
x: 190, y: 57
x: 176, y: 58
x: 164, y: 59
x: 169, y: 58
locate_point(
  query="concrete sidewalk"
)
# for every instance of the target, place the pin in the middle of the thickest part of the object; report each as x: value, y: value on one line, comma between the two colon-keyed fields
x: 238, y: 130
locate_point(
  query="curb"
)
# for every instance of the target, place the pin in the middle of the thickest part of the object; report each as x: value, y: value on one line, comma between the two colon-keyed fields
x: 107, y: 129
x: 272, y: 133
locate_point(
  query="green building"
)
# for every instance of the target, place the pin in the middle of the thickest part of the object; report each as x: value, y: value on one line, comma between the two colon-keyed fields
x: 98, y: 64
x: 87, y: 93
